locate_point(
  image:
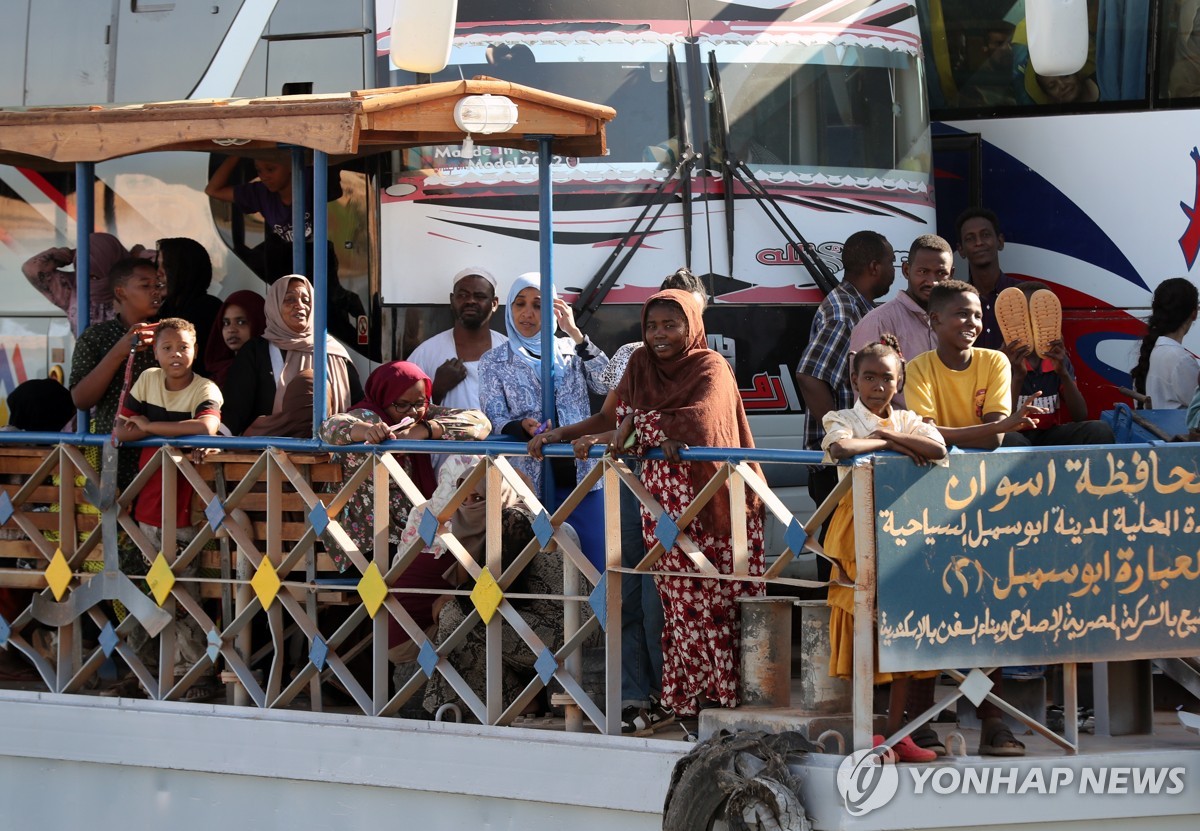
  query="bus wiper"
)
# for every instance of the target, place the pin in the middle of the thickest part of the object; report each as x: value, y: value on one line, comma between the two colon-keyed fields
x: 723, y: 150
x: 733, y: 168
x: 618, y: 259
x: 685, y: 141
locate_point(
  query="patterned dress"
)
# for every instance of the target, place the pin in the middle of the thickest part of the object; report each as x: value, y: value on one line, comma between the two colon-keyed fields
x: 701, y: 633
x: 358, y: 517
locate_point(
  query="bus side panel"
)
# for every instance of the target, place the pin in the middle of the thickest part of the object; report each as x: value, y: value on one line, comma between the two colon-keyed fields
x: 1099, y: 206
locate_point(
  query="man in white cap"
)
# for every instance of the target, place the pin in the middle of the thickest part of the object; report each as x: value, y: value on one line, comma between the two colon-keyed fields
x: 450, y: 358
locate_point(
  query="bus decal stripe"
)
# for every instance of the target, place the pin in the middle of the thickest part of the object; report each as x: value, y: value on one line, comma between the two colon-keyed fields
x: 889, y: 17
x: 48, y: 190
x: 531, y: 234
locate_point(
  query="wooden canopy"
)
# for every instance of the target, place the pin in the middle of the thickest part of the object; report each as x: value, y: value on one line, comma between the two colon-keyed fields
x: 343, y: 125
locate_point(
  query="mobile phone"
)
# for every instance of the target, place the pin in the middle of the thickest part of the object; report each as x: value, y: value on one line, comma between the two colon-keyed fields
x: 630, y: 440
x: 407, y: 421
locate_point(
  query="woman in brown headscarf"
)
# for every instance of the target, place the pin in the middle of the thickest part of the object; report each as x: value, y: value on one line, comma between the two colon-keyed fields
x: 677, y: 392
x: 264, y: 366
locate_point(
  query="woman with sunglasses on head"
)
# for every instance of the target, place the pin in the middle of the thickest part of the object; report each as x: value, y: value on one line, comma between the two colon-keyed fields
x: 396, y: 406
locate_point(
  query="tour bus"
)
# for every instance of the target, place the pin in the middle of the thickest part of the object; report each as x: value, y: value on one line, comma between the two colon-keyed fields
x: 751, y: 139
x: 1094, y: 176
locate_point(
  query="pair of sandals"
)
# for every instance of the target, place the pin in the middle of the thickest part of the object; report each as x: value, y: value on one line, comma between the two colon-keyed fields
x: 995, y: 739
x: 1035, y: 322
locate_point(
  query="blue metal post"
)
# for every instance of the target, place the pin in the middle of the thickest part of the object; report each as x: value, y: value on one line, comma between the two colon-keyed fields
x: 299, y: 256
x: 546, y: 268
x: 320, y: 285
x: 85, y: 219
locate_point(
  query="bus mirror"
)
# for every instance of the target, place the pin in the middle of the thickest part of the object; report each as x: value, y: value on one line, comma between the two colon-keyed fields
x: 422, y: 34
x: 1058, y: 35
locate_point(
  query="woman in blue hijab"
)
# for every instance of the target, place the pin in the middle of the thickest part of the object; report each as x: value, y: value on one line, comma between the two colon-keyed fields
x: 510, y: 390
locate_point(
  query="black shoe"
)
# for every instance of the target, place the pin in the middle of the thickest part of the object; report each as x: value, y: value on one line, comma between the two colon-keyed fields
x: 642, y: 721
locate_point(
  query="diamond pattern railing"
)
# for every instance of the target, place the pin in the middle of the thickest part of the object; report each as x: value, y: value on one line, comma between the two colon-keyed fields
x: 263, y: 545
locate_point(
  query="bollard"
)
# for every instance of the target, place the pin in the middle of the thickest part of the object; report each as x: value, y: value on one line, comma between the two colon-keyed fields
x: 820, y: 694
x: 766, y: 651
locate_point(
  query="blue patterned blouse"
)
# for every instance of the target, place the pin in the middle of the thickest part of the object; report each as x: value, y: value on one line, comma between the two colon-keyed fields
x: 511, y: 390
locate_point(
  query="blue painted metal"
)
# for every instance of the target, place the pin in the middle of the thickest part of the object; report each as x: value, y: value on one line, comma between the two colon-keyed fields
x: 666, y: 531
x: 427, y: 658
x: 299, y: 255
x: 546, y: 267
x: 215, y: 513
x: 214, y: 645
x: 318, y: 653
x: 108, y: 639
x: 6, y: 507
x: 428, y: 527
x: 5, y: 631
x: 85, y: 222
x: 320, y: 282
x: 491, y: 447
x: 795, y: 536
x: 598, y: 600
x: 545, y: 665
x: 543, y: 528
x: 318, y: 517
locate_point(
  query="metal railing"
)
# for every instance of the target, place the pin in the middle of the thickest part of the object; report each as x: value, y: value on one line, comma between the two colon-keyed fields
x: 261, y: 572
x: 271, y: 516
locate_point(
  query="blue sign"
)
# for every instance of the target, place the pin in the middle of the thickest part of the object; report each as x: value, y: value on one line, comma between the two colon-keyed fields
x: 1037, y: 557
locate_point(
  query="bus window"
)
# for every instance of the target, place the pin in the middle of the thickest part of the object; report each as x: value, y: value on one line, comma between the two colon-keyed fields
x: 267, y: 256
x: 980, y: 62
x: 832, y: 109
x: 1179, y: 67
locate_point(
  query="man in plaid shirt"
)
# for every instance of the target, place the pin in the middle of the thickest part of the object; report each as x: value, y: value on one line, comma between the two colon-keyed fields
x: 823, y: 375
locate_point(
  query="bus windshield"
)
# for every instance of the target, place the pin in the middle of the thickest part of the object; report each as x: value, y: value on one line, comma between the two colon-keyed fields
x: 835, y: 109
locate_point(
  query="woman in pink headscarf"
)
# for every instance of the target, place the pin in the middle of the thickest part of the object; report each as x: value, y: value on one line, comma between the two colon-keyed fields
x: 397, y: 405
x: 44, y: 272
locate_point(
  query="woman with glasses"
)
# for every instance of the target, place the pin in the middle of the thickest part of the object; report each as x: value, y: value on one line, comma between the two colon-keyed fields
x: 265, y: 365
x: 396, y: 406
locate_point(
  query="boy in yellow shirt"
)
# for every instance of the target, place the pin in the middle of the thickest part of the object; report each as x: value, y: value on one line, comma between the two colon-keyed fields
x: 966, y: 392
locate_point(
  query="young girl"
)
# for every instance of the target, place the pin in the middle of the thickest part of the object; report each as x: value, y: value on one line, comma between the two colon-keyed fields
x: 240, y: 319
x: 872, y: 425
x: 1166, y: 371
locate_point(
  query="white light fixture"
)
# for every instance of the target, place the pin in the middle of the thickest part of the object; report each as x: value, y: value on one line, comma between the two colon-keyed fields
x: 1058, y: 35
x: 423, y: 34
x: 483, y: 114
